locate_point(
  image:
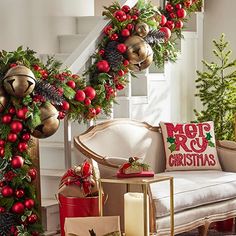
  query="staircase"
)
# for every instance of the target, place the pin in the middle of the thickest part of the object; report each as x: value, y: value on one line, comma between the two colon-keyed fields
x: 148, y: 97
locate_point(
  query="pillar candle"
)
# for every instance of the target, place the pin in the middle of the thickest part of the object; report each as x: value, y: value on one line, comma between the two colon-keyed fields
x: 134, y: 214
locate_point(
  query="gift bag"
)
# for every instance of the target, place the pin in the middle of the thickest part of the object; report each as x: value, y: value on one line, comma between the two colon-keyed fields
x: 78, y: 193
x: 93, y: 226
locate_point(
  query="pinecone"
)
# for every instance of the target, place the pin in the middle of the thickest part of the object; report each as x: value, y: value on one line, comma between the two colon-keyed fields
x: 6, y: 221
x: 48, y: 91
x: 154, y: 37
x: 113, y: 57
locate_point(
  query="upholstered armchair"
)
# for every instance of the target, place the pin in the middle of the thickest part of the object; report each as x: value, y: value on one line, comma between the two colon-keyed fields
x: 201, y: 197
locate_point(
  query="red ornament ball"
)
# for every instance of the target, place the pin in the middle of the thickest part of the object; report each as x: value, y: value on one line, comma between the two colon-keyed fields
x: 121, y: 48
x: 29, y: 203
x: 98, y: 110
x: 178, y: 6
x: 114, y: 37
x: 16, y: 126
x: 80, y: 96
x: 126, y: 9
x: 21, y: 113
x: 71, y: 83
x: 2, y: 209
x: 22, y: 146
x: 18, y: 208
x: 2, y: 143
x: 125, y: 62
x: 32, y: 174
x: 163, y: 20
x: 169, y: 7
x: 32, y: 218
x: 120, y: 15
x: 125, y: 33
x: 92, y: 112
x: 2, y: 151
x: 179, y: 24
x: 65, y: 106
x: 20, y: 193
x: 181, y: 13
x: 17, y: 162
x: 172, y: 15
x: 130, y: 27
x: 90, y: 92
x: 166, y: 31
x: 7, y: 191
x: 12, y: 110
x: 61, y: 115
x: 87, y: 101
x: 103, y: 66
x: 134, y: 17
x: 107, y: 29
x: 11, y: 137
x: 6, y: 119
x: 26, y: 137
x: 170, y: 24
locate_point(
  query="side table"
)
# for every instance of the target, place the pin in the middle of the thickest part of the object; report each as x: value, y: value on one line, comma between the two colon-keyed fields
x: 144, y: 182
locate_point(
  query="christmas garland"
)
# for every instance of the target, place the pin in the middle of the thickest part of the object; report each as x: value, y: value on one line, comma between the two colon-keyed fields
x: 35, y: 96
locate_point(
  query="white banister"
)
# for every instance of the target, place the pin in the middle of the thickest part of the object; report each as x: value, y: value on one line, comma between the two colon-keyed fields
x: 87, y: 47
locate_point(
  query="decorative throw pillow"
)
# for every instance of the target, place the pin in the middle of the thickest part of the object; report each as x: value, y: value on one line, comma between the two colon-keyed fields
x: 190, y: 146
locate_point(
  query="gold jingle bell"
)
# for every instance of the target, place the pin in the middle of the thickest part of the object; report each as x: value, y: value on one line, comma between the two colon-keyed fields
x: 137, y: 49
x: 142, y: 29
x: 3, y: 99
x: 49, y: 122
x: 19, y: 81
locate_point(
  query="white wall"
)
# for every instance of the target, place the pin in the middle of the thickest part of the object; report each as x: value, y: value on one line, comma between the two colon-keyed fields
x: 219, y: 17
x: 37, y: 24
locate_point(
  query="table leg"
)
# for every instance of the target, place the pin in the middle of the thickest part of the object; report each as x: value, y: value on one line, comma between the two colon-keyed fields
x: 145, y: 211
x: 127, y: 188
x: 100, y: 205
x: 172, y: 206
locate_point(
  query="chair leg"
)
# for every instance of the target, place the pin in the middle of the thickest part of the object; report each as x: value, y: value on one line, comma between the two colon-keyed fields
x: 203, y: 230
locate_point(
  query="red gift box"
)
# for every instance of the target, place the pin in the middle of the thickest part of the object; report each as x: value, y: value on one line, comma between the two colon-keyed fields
x: 76, y: 207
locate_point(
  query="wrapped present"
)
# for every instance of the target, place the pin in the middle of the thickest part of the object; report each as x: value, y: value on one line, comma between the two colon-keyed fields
x: 78, y: 193
x: 79, y: 182
x: 134, y: 168
x: 93, y: 226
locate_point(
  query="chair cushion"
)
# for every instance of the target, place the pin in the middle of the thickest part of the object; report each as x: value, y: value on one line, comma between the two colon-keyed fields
x: 190, y: 146
x: 192, y: 189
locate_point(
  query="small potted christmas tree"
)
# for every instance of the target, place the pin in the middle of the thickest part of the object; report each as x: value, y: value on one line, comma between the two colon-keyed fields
x: 217, y: 91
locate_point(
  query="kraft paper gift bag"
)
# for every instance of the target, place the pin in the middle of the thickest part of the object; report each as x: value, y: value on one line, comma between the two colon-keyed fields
x: 93, y: 226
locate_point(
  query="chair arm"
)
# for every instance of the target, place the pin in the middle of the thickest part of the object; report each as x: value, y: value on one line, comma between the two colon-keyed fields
x: 227, y: 155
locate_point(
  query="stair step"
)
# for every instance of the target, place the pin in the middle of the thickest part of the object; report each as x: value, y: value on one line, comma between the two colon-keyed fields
x: 50, y: 216
x: 86, y: 23
x: 68, y: 43
x: 52, y: 172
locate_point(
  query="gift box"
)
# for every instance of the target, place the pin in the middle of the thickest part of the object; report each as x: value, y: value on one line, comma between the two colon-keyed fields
x: 78, y: 193
x: 93, y: 226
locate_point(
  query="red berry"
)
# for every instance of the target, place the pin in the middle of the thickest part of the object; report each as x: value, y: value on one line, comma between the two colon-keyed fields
x: 121, y: 73
x: 107, y: 29
x: 20, y: 193
x: 114, y: 37
x: 32, y: 218
x: 125, y: 33
x: 125, y: 8
x: 7, y: 191
x: 121, y: 48
x: 90, y: 92
x: 172, y: 15
x: 134, y: 17
x: 16, y: 126
x: 125, y: 62
x: 169, y: 7
x: 87, y: 101
x: 120, y: 86
x: 21, y: 113
x: 12, y: 110
x: 98, y: 110
x: 36, y: 67
x: 181, y: 13
x: 29, y: 203
x: 61, y: 115
x: 22, y: 146
x: 166, y: 31
x: 130, y: 27
x: 170, y: 24
x: 92, y: 112
x: 163, y: 20
x: 179, y: 24
x: 2, y: 152
x: 178, y: 6
x: 188, y: 3
x: 6, y: 119
x: 103, y: 66
x: 13, y: 65
x: 65, y: 106
x: 129, y: 17
x: 2, y: 209
x: 2, y: 143
x: 120, y: 15
x: 101, y: 52
x: 80, y: 95
x: 26, y: 137
x: 71, y: 83
x: 32, y: 173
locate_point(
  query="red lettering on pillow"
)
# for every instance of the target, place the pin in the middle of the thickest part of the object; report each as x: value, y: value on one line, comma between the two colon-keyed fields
x: 198, y: 147
x: 171, y: 129
x: 180, y: 141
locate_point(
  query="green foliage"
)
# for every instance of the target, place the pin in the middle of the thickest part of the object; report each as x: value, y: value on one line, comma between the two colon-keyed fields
x: 217, y: 91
